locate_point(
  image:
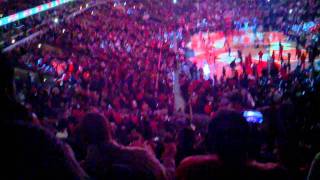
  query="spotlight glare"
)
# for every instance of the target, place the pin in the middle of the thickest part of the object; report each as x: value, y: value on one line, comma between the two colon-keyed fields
x: 206, y: 70
x: 55, y: 20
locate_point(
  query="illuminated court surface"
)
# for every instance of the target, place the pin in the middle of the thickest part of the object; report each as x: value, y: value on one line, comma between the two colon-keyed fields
x: 210, y: 51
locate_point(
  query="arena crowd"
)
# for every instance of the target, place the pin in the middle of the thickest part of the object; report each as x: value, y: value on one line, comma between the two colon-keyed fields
x: 93, y: 97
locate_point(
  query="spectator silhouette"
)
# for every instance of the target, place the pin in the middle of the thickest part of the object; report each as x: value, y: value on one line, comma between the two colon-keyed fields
x: 10, y: 109
x: 32, y: 152
x: 228, y: 141
x: 106, y: 159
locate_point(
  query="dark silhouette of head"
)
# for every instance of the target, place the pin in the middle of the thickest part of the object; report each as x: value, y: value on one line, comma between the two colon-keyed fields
x: 186, y: 138
x: 228, y: 136
x: 94, y: 129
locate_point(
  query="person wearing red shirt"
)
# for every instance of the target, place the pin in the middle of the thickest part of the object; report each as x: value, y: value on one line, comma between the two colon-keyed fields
x: 249, y: 59
x: 260, y: 56
x: 303, y: 60
x: 298, y: 53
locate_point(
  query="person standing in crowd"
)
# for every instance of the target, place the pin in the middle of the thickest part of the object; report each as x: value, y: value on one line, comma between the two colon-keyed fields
x: 289, y: 62
x: 273, y: 56
x: 303, y: 60
x: 229, y: 51
x: 280, y: 52
x: 298, y: 53
x: 240, y: 56
x: 223, y: 72
x: 249, y: 62
x: 260, y: 56
x: 313, y: 52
